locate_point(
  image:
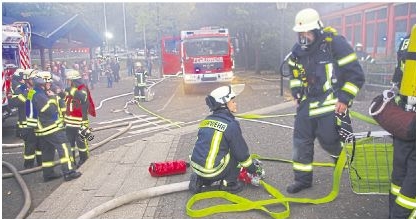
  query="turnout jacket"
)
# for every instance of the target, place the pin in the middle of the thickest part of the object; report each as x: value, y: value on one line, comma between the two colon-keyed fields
x: 79, y: 104
x: 49, y: 119
x: 326, y: 72
x: 140, y: 77
x: 19, y: 94
x: 219, y: 138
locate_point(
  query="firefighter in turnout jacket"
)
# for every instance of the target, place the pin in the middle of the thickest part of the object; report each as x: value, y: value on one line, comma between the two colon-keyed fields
x: 220, y: 147
x: 79, y: 104
x: 18, y: 100
x: 362, y: 55
x: 32, y: 147
x: 402, y: 202
x: 326, y: 76
x: 50, y: 130
x: 140, y: 76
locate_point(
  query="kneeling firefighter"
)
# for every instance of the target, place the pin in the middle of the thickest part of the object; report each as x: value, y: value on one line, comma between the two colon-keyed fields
x: 50, y: 129
x: 79, y: 104
x: 220, y: 147
x: 402, y: 202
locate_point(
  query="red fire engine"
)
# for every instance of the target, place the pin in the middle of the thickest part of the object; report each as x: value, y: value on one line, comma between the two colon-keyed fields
x: 15, y: 54
x: 204, y: 55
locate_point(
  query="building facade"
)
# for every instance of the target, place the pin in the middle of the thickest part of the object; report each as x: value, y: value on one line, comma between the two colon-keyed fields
x: 378, y: 26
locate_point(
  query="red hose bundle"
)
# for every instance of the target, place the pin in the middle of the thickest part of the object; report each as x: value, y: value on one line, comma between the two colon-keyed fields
x: 168, y: 168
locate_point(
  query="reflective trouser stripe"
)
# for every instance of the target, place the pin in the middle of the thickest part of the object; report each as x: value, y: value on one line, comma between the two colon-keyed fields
x: 66, y: 158
x: 406, y: 202
x: 47, y: 164
x: 302, y: 167
x: 38, y: 153
x: 395, y: 189
x: 29, y: 157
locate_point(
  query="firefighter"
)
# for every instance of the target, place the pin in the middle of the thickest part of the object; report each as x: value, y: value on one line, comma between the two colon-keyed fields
x: 50, y: 130
x: 18, y: 100
x: 32, y: 144
x: 402, y: 197
x: 362, y: 55
x: 401, y: 57
x: 79, y: 104
x: 220, y: 147
x: 140, y: 76
x: 326, y: 76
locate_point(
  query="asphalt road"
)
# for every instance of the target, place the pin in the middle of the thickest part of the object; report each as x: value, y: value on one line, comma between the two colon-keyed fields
x: 171, y: 105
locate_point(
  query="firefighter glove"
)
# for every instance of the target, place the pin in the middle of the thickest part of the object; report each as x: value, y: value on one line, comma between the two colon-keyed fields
x: 86, y: 133
x: 343, y: 126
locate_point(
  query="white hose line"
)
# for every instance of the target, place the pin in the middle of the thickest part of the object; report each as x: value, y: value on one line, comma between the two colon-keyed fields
x: 57, y: 162
x: 94, y: 129
x: 26, y: 193
x: 122, y: 95
x: 110, y: 98
x: 134, y: 196
x: 12, y: 145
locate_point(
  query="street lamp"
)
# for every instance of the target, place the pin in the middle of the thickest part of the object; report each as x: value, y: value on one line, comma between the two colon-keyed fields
x: 108, y: 37
x: 281, y: 7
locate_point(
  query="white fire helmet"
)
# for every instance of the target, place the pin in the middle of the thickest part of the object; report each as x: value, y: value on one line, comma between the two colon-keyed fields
x: 42, y: 77
x: 307, y: 20
x: 358, y: 45
x: 29, y: 73
x: 72, y: 75
x: 19, y: 72
x: 224, y: 94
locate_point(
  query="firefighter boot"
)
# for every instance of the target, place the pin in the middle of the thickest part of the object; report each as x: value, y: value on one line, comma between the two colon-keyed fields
x: 29, y: 164
x: 38, y: 160
x: 195, y: 183
x: 232, y: 187
x: 82, y: 158
x: 297, y: 187
x: 71, y: 175
x: 49, y: 174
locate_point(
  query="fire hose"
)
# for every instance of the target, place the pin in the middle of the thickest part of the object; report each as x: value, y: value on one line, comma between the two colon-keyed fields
x: 239, y: 203
x: 57, y: 162
x: 26, y: 193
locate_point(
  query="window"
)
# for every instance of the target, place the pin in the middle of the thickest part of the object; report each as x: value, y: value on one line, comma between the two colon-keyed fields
x: 369, y: 16
x: 369, y: 41
x: 348, y: 33
x: 401, y: 10
x: 381, y: 37
x: 401, y: 26
x: 382, y: 13
x: 357, y: 33
x: 413, y: 8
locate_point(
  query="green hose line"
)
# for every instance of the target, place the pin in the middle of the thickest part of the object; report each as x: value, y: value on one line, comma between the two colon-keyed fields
x: 353, y: 114
x: 242, y: 204
x: 257, y: 116
x: 173, y: 123
x: 320, y: 164
x: 362, y: 117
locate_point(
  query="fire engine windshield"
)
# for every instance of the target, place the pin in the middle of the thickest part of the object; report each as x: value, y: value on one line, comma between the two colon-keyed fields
x: 10, y: 56
x: 206, y: 46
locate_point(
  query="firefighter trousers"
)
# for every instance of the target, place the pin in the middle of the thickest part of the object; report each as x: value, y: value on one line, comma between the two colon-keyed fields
x: 229, y: 174
x: 139, y: 93
x: 32, y: 149
x: 55, y: 141
x: 77, y: 143
x: 306, y: 130
x: 402, y: 198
